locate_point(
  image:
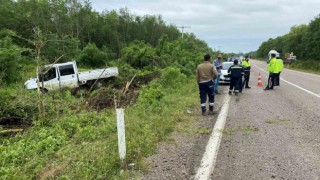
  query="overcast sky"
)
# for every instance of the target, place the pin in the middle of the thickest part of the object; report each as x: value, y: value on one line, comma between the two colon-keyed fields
x: 231, y: 25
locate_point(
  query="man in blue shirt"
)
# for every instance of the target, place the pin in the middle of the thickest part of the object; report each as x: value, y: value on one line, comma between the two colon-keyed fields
x: 218, y: 64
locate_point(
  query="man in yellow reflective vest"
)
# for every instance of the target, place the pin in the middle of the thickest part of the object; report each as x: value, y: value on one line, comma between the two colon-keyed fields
x: 272, y: 70
x: 279, y: 66
x: 246, y: 65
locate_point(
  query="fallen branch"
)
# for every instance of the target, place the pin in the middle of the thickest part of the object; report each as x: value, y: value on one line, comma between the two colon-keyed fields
x: 10, y: 131
x: 128, y: 85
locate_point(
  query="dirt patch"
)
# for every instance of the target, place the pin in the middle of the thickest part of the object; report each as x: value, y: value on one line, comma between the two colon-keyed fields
x: 10, y: 126
x: 50, y: 173
x: 106, y: 97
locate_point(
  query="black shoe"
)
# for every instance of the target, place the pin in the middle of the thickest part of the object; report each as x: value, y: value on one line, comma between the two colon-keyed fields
x: 248, y: 87
x: 236, y: 94
x: 216, y: 92
x: 266, y: 89
x: 230, y: 93
x: 203, y: 114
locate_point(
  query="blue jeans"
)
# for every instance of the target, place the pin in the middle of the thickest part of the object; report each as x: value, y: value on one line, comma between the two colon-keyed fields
x: 216, y: 83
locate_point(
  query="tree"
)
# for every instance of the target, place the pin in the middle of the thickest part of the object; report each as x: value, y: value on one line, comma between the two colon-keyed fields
x: 91, y: 56
x: 10, y: 57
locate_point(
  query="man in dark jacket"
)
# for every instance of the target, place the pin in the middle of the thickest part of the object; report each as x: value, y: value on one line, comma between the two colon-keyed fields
x: 236, y: 71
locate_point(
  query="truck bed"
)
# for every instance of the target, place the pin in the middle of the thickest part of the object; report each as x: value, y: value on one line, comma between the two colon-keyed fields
x: 97, y: 74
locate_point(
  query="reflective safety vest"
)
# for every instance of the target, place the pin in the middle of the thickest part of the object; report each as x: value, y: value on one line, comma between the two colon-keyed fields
x: 279, y: 65
x: 246, y: 65
x: 272, y: 66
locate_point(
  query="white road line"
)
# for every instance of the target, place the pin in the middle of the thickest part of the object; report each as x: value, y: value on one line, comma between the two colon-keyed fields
x: 210, y: 155
x: 303, y: 89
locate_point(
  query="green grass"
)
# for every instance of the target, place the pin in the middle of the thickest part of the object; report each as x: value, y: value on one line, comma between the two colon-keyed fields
x: 72, y: 141
x: 306, y: 65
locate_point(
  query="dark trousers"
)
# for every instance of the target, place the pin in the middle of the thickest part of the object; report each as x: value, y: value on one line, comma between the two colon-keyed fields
x: 270, y: 81
x: 246, y: 78
x: 206, y: 89
x: 235, y: 83
x: 277, y: 79
x: 241, y: 82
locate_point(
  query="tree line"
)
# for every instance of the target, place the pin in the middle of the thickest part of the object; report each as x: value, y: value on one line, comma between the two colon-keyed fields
x: 302, y: 40
x: 72, y: 30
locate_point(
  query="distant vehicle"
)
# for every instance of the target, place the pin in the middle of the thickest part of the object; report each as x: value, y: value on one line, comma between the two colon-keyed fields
x: 224, y: 76
x: 231, y: 59
x: 61, y: 75
x: 289, y: 58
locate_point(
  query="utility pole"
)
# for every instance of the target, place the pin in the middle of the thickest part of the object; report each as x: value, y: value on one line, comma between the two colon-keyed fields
x: 182, y: 28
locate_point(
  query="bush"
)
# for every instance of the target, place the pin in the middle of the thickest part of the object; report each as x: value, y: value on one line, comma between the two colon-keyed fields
x: 307, y: 65
x: 91, y: 56
x: 172, y: 78
x: 138, y: 55
x: 17, y: 104
x: 9, y: 61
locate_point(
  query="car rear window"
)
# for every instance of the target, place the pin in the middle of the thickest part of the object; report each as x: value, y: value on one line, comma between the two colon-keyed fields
x: 226, y: 65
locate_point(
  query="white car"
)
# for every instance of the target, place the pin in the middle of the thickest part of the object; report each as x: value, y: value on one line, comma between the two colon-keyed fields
x: 224, y: 76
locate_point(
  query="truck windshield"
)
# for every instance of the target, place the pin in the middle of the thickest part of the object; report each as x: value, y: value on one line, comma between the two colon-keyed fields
x: 51, y: 74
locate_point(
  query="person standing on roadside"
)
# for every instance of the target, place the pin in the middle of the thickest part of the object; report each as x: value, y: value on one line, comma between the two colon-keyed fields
x: 272, y: 70
x: 218, y: 65
x: 235, y: 72
x: 247, y: 67
x: 206, y: 73
x: 279, y: 67
x: 242, y: 77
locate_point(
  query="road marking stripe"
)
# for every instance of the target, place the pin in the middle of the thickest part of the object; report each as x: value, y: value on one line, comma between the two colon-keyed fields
x: 210, y: 155
x: 305, y: 90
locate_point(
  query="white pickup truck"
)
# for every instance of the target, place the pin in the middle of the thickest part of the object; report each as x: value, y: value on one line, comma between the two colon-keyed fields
x: 56, y: 76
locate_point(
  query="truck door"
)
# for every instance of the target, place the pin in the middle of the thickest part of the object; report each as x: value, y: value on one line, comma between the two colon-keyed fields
x: 50, y: 79
x: 68, y: 77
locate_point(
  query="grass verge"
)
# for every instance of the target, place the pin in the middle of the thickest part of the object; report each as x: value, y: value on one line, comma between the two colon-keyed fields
x: 306, y: 66
x: 81, y: 144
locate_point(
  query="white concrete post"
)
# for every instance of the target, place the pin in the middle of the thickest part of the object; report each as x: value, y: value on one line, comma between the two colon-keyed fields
x: 121, y: 134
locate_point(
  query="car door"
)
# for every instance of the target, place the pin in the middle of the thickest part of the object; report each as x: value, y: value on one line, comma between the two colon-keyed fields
x: 68, y: 76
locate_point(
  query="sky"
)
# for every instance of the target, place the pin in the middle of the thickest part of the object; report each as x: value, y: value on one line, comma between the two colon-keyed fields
x: 225, y: 25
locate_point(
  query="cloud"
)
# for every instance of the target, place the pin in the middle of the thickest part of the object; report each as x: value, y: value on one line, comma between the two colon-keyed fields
x: 234, y: 25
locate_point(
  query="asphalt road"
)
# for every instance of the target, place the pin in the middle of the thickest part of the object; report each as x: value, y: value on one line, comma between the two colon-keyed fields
x: 272, y: 134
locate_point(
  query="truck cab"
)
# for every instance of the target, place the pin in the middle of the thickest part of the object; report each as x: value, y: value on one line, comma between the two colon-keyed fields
x: 56, y: 76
